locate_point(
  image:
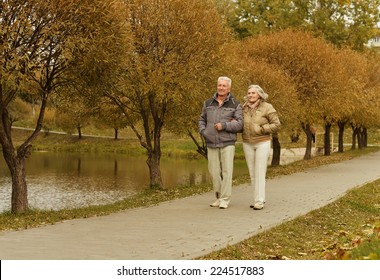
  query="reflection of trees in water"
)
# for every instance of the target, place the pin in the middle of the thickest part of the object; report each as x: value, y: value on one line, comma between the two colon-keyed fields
x: 72, y: 176
x: 60, y: 180
x: 192, y: 178
x: 204, y: 177
x: 67, y: 178
x: 79, y: 165
x: 115, y: 168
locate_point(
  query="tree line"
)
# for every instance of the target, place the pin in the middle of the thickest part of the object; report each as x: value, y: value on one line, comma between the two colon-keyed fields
x: 149, y: 65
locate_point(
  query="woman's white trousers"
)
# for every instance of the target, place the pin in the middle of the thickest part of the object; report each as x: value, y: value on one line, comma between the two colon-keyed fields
x: 257, y: 156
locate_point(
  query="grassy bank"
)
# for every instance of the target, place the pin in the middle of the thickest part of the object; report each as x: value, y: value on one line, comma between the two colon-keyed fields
x: 347, y: 228
x: 171, y: 147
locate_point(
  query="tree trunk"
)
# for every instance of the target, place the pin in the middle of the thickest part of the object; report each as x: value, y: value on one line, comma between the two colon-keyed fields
x: 153, y: 148
x: 359, y: 134
x: 295, y: 136
x: 365, y: 137
x: 16, y: 165
x: 202, y: 150
x: 79, y: 129
x: 154, y: 155
x: 15, y: 160
x: 153, y: 162
x: 327, y: 139
x: 79, y: 166
x: 309, y: 139
x: 19, y: 188
x: 276, y: 150
x: 116, y: 133
x: 341, y: 126
x: 353, y: 137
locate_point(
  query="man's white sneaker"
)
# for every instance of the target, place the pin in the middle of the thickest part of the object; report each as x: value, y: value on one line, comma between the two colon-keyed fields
x: 215, y: 204
x: 223, y: 205
x: 258, y: 206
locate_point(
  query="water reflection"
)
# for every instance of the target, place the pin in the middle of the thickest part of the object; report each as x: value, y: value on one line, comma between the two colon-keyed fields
x: 69, y: 180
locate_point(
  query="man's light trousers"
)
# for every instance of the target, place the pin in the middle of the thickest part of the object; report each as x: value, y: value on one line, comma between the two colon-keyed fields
x: 220, y: 166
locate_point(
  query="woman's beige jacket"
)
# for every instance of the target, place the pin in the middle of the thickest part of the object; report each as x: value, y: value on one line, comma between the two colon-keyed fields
x: 260, y: 122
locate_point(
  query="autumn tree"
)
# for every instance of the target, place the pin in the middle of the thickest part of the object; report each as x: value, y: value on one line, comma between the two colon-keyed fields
x: 110, y: 116
x: 372, y: 87
x: 254, y: 17
x: 336, y: 83
x: 343, y: 23
x: 280, y: 88
x: 366, y: 112
x: 177, y: 51
x: 42, y: 45
x: 309, y: 62
x: 19, y: 109
x: 347, y: 23
x: 355, y: 67
x: 72, y: 113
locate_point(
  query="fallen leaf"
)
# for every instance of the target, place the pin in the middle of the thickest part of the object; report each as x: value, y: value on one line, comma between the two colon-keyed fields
x: 274, y: 257
x: 347, y: 255
x: 329, y: 256
x: 356, y: 241
x: 368, y: 231
x: 340, y: 253
x: 343, y: 233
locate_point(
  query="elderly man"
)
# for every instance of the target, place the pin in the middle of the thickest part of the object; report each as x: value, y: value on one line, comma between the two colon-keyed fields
x: 219, y: 123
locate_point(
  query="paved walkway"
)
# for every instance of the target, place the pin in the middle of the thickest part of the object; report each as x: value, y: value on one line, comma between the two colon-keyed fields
x: 188, y: 228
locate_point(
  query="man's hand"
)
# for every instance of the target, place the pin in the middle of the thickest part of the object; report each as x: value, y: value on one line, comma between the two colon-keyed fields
x: 218, y: 126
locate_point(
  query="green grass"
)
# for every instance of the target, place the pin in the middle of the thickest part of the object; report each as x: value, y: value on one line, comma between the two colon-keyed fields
x: 368, y: 250
x: 181, y: 147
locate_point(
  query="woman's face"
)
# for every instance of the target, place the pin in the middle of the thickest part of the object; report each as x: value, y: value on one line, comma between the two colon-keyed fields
x: 252, y: 95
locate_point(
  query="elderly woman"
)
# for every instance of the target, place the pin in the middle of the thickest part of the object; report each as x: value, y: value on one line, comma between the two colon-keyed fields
x: 260, y: 121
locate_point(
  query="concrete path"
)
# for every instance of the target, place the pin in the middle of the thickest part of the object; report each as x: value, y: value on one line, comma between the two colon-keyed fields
x: 188, y: 228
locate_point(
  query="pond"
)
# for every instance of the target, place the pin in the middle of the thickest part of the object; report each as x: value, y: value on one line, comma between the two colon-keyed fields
x: 69, y: 180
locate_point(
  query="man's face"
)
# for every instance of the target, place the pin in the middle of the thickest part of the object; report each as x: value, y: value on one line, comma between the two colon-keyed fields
x: 223, y: 88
